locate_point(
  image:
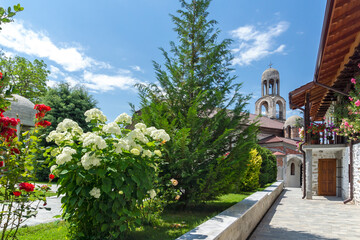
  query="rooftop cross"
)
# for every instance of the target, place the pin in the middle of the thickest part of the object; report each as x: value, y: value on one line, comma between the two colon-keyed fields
x: 270, y: 64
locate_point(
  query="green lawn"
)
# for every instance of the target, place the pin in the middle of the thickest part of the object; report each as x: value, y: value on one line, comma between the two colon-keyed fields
x: 171, y: 225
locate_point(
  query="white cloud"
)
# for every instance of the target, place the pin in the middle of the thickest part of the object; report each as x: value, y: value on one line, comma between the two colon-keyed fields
x: 254, y: 44
x: 137, y: 68
x: 291, y: 112
x: 103, y: 82
x: 17, y: 37
x: 55, y: 72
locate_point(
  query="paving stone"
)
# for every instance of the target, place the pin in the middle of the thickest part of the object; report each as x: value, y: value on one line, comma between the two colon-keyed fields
x: 292, y: 217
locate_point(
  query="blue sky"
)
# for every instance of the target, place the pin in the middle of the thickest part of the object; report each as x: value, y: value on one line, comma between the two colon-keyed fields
x: 109, y: 45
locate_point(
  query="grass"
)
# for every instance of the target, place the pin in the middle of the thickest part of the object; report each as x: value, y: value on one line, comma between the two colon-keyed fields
x: 50, y: 231
x: 171, y: 224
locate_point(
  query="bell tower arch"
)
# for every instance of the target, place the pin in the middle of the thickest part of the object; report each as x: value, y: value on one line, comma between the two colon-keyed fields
x: 274, y: 104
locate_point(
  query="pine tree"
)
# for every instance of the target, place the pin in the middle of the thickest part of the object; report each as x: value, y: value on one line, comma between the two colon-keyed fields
x: 197, y: 102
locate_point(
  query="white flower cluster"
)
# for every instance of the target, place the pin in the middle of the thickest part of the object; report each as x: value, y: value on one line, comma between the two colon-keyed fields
x: 95, y: 192
x: 136, y: 134
x: 65, y: 155
x: 53, y: 168
x: 95, y: 114
x: 152, y: 193
x: 65, y: 131
x: 121, y: 145
x: 89, y: 161
x: 112, y: 128
x: 90, y: 138
x: 157, y: 134
x: 123, y: 118
x: 147, y: 153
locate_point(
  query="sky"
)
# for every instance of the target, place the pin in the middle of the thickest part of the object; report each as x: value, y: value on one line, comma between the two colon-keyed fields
x: 110, y: 45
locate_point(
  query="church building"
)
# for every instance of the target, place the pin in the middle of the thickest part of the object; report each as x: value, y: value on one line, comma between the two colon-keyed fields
x: 278, y: 134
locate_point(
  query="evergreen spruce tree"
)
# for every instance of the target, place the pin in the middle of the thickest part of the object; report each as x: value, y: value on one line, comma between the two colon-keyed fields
x: 199, y: 105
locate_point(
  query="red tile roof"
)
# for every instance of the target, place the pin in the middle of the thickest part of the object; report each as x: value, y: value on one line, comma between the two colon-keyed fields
x: 278, y: 154
x: 275, y: 139
x: 266, y: 122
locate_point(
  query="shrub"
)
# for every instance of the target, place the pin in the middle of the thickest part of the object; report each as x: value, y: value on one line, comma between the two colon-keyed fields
x: 268, y: 170
x: 106, y: 174
x: 250, y: 179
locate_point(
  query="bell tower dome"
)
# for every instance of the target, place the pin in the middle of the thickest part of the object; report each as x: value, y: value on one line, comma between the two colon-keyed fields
x: 271, y: 104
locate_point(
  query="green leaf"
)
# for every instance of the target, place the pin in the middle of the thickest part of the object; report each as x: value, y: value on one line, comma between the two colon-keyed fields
x: 104, y: 227
x: 106, y: 187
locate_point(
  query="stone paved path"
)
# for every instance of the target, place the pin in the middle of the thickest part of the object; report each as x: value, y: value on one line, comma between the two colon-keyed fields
x: 291, y: 217
x: 45, y: 216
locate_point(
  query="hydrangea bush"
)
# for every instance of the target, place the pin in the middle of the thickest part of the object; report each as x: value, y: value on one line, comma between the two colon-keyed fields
x: 106, y: 175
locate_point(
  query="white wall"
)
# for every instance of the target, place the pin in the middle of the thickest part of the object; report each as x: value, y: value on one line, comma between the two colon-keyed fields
x: 356, y: 152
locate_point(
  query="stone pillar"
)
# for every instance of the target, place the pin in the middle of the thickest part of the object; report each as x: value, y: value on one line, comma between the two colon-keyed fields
x: 308, y: 173
x: 262, y: 89
x: 267, y: 87
x: 278, y: 87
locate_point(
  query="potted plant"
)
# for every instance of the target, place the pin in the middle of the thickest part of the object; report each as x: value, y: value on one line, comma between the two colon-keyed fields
x: 315, y: 129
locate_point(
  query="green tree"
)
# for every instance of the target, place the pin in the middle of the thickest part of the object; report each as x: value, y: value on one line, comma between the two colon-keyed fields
x: 268, y: 171
x: 6, y: 15
x: 199, y: 105
x: 65, y: 102
x: 28, y: 77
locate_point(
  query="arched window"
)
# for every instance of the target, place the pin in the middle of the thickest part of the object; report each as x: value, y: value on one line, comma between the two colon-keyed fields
x: 289, y: 131
x: 264, y: 108
x: 292, y: 169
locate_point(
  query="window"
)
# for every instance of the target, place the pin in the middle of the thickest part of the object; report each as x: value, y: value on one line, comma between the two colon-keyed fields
x: 292, y: 169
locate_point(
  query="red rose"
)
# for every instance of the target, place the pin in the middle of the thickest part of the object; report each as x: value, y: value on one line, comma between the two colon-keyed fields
x: 51, y: 176
x: 1, y: 163
x: 1, y: 75
x: 28, y: 187
x: 43, y: 123
x: 17, y: 193
x: 14, y: 150
x: 45, y: 203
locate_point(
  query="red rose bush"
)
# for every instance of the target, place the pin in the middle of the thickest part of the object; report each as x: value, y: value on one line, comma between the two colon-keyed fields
x: 19, y: 199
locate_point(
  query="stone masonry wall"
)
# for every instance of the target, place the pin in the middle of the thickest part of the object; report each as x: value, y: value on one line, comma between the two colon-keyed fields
x: 356, y: 152
x: 345, y: 185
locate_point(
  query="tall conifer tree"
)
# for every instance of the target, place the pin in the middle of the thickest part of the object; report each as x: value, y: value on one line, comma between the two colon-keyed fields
x: 198, y: 103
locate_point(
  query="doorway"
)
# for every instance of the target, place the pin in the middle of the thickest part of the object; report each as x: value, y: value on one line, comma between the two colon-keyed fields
x: 327, y: 177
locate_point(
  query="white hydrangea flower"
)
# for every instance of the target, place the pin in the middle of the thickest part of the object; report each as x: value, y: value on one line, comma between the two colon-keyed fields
x: 88, y: 161
x: 121, y: 145
x: 136, y: 134
x: 90, y: 138
x: 158, y: 152
x: 95, y: 192
x: 147, y: 153
x: 135, y: 151
x: 140, y: 126
x: 112, y: 128
x: 160, y: 135
x: 65, y: 155
x: 68, y: 124
x: 53, y: 168
x: 152, y: 193
x: 95, y: 114
x: 149, y: 130
x: 123, y: 118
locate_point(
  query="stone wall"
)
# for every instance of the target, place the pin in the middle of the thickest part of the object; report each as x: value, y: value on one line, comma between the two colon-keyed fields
x: 356, y: 154
x: 238, y: 221
x: 345, y: 185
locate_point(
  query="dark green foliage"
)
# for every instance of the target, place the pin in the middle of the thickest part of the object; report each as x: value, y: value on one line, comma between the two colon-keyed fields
x: 65, y: 102
x: 200, y: 107
x: 28, y: 77
x: 268, y: 171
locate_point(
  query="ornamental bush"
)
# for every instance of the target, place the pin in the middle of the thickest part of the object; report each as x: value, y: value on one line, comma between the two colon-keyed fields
x: 250, y: 180
x: 350, y: 123
x: 108, y: 175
